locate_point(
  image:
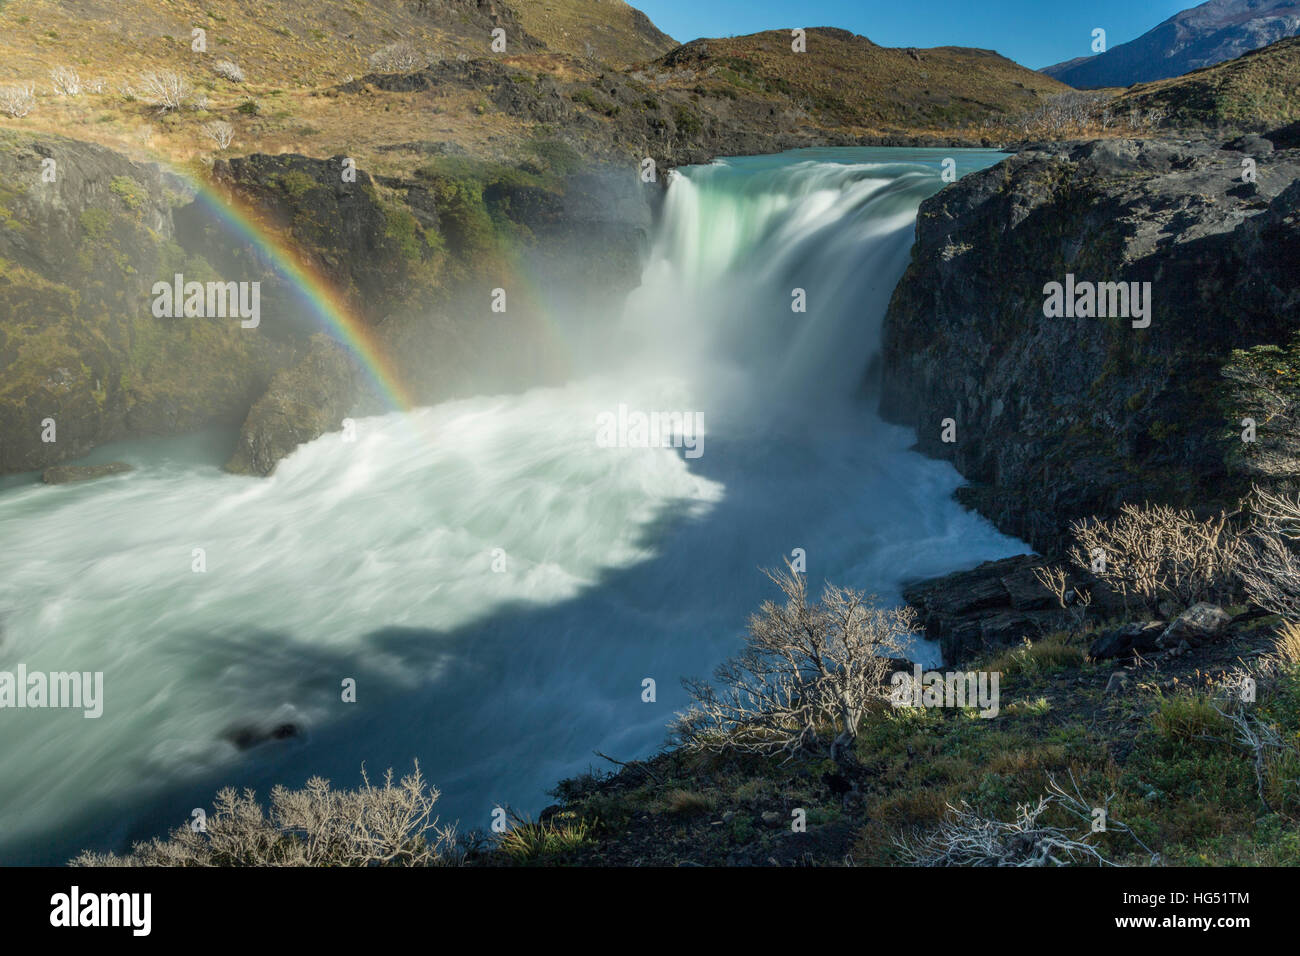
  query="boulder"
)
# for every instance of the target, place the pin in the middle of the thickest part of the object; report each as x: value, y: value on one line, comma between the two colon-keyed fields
x: 1199, y: 624
x: 1139, y: 637
x: 1025, y: 590
x: 1252, y: 144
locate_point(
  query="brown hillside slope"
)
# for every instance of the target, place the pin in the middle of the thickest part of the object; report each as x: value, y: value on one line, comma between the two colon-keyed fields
x: 606, y: 30
x: 303, y: 44
x: 845, y: 79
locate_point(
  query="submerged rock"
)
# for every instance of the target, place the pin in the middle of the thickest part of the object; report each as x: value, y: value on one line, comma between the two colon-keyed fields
x: 247, y: 736
x: 63, y: 474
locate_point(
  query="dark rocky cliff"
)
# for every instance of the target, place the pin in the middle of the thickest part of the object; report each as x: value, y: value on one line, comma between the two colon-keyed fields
x: 1060, y: 418
x: 414, y: 258
x: 84, y: 234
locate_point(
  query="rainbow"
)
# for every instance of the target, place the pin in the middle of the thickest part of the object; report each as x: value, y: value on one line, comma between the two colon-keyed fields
x: 323, y: 302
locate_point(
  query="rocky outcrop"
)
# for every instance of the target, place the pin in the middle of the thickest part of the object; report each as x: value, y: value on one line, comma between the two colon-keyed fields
x: 1057, y: 418
x: 416, y: 259
x: 84, y: 234
x: 301, y: 404
x: 623, y: 116
x: 1136, y: 639
x: 998, y: 604
x: 377, y: 252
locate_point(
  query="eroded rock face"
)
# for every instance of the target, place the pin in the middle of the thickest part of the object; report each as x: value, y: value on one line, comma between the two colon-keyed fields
x: 412, y: 261
x: 301, y: 404
x: 84, y: 234
x: 85, y: 360
x: 1061, y: 418
x: 996, y: 605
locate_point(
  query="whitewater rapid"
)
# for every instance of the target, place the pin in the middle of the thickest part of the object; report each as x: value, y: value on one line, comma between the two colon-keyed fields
x: 497, y: 583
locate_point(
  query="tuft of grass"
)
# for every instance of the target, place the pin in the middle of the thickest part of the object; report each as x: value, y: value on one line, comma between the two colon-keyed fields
x: 1188, y: 717
x: 687, y: 803
x: 1028, y: 708
x: 1048, y: 655
x: 1287, y: 646
x: 529, y: 841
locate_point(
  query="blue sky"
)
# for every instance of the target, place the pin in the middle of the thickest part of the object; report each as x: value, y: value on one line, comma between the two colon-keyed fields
x: 1034, y: 33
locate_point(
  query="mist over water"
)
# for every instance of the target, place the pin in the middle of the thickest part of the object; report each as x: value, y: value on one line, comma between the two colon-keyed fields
x: 374, y: 559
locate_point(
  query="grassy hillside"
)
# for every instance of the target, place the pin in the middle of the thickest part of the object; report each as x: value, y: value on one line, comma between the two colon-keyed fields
x: 606, y: 30
x: 1148, y: 744
x: 1261, y: 88
x: 844, y: 79
x: 309, y: 81
x: 288, y: 44
x: 304, y: 44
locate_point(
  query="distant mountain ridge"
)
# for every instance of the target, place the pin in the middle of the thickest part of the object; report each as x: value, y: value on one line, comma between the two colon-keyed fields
x: 1201, y: 36
x: 1257, y: 91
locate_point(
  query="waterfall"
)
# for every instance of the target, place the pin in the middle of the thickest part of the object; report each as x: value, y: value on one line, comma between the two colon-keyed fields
x: 497, y: 581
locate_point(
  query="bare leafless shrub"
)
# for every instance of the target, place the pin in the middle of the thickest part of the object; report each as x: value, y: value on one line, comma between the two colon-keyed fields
x: 968, y: 838
x: 1070, y: 113
x: 399, y: 57
x: 1269, y: 564
x: 1158, y: 553
x: 1275, y: 757
x: 228, y: 70
x: 807, y: 669
x: 1073, y: 600
x: 221, y: 133
x: 66, y: 80
x: 1271, y: 401
x: 388, y: 825
x: 17, y: 101
x: 167, y: 89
